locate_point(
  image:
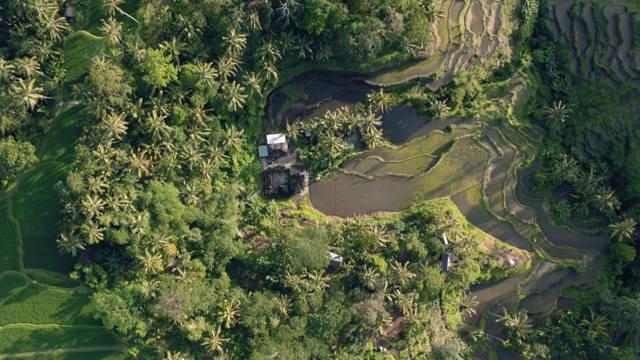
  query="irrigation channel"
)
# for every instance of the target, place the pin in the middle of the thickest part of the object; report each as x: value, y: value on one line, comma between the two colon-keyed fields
x: 480, y: 167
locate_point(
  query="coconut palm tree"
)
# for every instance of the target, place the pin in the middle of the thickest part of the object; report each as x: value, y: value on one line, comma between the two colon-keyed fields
x: 217, y: 155
x: 69, y: 244
x: 236, y: 42
x: 112, y: 30
x: 380, y: 101
x: 115, y: 124
x: 158, y: 241
x: 292, y: 130
x: 151, y: 262
x: 287, y: 10
x: 467, y: 244
x: 148, y: 288
x: 605, y: 200
x: 433, y: 12
x: 254, y: 21
x: 190, y: 155
x: 380, y: 233
x: 269, y: 53
x: 234, y: 94
x: 28, y: 93
x: 228, y: 66
x: 207, y: 73
x: 140, y: 162
x: 53, y: 25
x: 370, y: 278
x: 93, y: 233
x: 156, y: 126
x: 467, y: 304
x: 271, y: 71
x: 557, y: 113
x: 200, y: 114
x: 440, y: 109
x: 566, y: 168
x: 113, y: 6
x: 97, y: 184
x: 93, y: 206
x: 562, y: 210
x: 233, y: 138
x: 7, y: 70
x: 229, y: 312
x: 28, y: 66
x: 400, y: 273
x: 214, y: 343
x: 517, y: 324
x: 331, y: 146
x: 103, y: 154
x: 174, y: 47
x: 624, y: 229
x: 596, y: 326
x: 319, y: 282
x: 369, y: 122
x: 373, y: 138
x: 403, y: 301
x: 254, y: 81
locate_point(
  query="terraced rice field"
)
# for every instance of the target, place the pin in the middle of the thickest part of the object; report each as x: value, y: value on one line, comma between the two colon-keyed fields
x: 601, y: 39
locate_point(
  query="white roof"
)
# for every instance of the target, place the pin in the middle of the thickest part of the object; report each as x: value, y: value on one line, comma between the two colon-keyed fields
x: 335, y: 257
x: 276, y: 139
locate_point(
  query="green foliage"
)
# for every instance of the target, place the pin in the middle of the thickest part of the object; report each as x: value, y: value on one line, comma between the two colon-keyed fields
x: 52, y: 337
x: 622, y: 253
x: 9, y: 240
x: 323, y: 16
x: 157, y: 69
x: 15, y: 157
x: 80, y: 48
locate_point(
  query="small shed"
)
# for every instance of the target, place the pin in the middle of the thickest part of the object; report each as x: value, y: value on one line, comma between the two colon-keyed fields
x: 277, y: 142
x: 445, y: 261
x: 336, y: 260
x: 263, y: 151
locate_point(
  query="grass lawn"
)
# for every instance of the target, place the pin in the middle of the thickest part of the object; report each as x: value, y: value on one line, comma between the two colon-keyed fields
x: 23, y: 300
x: 36, y: 204
x: 9, y: 241
x: 79, y: 50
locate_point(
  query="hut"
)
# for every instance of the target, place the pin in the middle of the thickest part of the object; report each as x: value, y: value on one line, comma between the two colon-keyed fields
x: 336, y: 260
x: 445, y: 261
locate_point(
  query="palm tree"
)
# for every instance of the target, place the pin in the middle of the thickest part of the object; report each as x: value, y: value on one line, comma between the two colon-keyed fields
x: 368, y: 122
x: 93, y: 232
x: 216, y: 155
x: 148, y: 288
x: 380, y: 101
x: 269, y: 53
x: 92, y: 206
x: 292, y: 130
x: 103, y: 154
x: 199, y: 113
x: 54, y: 25
x: 112, y: 30
x: 254, y: 81
x: 207, y: 74
x: 562, y: 210
x: 229, y: 313
x: 235, y: 95
x: 331, y: 146
x: 433, y: 12
x: 403, y: 301
x: 191, y: 155
x: 595, y: 326
x: 624, y: 229
x: 115, y: 124
x: 97, y: 184
x: 151, y: 262
x: 236, y: 42
x: 319, y: 282
x: 287, y: 10
x: 254, y: 21
x: 233, y: 138
x: 174, y: 47
x: 140, y: 162
x: 28, y: 66
x: 517, y: 324
x: 567, y: 168
x: 228, y: 66
x: 380, y: 233
x: 29, y: 94
x: 112, y: 7
x: 557, y: 113
x: 271, y: 71
x: 373, y: 138
x: 467, y: 244
x: 401, y: 273
x: 157, y: 126
x: 605, y: 200
x: 158, y: 241
x: 7, y: 70
x: 467, y: 304
x: 69, y: 244
x: 370, y: 278
x: 214, y: 342
x: 440, y: 109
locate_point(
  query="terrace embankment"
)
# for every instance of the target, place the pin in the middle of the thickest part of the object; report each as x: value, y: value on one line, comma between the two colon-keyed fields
x: 479, y: 164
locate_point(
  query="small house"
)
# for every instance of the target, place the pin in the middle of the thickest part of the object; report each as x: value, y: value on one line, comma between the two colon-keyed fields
x: 263, y: 151
x: 336, y: 260
x: 277, y: 143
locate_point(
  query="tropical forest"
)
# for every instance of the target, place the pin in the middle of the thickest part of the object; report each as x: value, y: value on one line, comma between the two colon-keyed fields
x: 319, y: 179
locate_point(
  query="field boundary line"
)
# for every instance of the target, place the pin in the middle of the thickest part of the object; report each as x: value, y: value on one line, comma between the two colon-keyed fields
x: 59, y: 351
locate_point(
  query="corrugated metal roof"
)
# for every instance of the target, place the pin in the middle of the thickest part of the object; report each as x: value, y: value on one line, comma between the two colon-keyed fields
x: 263, y: 151
x: 273, y: 139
